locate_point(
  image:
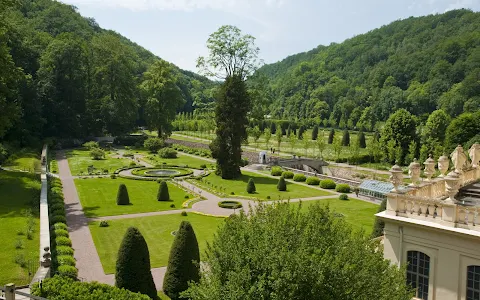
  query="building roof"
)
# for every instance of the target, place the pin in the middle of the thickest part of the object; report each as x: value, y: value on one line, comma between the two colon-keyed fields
x: 378, y: 186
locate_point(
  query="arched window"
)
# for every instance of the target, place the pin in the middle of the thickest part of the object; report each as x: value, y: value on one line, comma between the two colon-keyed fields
x: 473, y: 283
x: 418, y: 270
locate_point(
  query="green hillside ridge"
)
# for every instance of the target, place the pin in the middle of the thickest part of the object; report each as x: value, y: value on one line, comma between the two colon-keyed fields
x: 420, y: 64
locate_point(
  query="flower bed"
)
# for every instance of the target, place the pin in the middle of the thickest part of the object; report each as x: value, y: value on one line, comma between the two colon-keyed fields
x: 230, y: 204
x: 170, y: 172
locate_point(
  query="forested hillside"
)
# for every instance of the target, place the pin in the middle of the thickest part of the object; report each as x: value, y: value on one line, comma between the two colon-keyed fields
x: 64, y: 76
x: 420, y: 64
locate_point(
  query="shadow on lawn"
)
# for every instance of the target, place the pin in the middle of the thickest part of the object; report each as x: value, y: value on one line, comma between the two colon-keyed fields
x: 19, y: 191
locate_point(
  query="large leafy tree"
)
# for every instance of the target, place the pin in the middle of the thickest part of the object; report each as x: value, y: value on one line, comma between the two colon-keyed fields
x: 233, y: 56
x: 295, y: 254
x: 400, y: 128
x: 164, y: 98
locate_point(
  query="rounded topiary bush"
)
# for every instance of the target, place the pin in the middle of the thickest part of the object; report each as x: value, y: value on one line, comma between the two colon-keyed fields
x: 61, y: 232
x: 313, y: 180
x: 251, y: 186
x: 103, y: 223
x: 299, y: 178
x: 163, y: 194
x: 167, y: 153
x: 64, y: 250
x: 60, y: 226
x: 343, y: 197
x: 56, y: 206
x: 66, y: 260
x: 230, y: 204
x: 58, y: 212
x: 68, y: 271
x: 342, y: 188
x: 288, y: 174
x: 282, y: 185
x: 276, y: 171
x: 58, y: 219
x: 122, y: 195
x: 183, y: 213
x: 63, y: 241
x: 327, y: 184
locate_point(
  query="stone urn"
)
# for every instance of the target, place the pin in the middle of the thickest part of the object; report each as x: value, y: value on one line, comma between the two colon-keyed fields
x: 414, y: 170
x: 452, y: 184
x: 396, y: 178
x: 443, y: 165
x: 429, y: 168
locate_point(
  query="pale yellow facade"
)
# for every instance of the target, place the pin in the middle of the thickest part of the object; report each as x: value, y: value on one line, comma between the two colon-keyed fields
x: 428, y: 228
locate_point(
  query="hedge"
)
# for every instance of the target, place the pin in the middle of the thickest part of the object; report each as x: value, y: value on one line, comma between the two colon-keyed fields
x: 59, y: 288
x: 167, y: 153
x: 342, y: 188
x: 313, y: 180
x: 299, y: 178
x: 327, y: 184
x: 276, y: 171
x: 288, y: 174
x: 64, y: 250
x: 57, y: 226
x: 343, y: 197
x: 66, y: 260
x: 63, y: 241
x: 61, y: 232
x: 58, y: 219
x: 68, y: 271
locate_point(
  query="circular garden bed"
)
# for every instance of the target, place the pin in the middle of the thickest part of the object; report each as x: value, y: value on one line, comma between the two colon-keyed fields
x: 230, y: 204
x: 165, y: 172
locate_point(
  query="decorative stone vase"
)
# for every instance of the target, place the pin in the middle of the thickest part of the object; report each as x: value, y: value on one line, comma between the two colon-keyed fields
x: 443, y: 165
x: 414, y: 170
x: 474, y: 153
x: 429, y: 167
x: 396, y: 178
x: 452, y: 184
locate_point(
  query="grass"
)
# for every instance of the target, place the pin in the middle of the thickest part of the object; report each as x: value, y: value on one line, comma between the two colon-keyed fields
x: 157, y: 232
x: 359, y: 214
x: 79, y: 160
x: 181, y: 160
x: 265, y: 186
x: 98, y: 196
x: 19, y: 192
x: 24, y: 160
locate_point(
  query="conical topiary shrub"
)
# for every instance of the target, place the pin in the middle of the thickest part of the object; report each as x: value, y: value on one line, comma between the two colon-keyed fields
x: 282, y: 185
x: 183, y: 263
x: 331, y: 135
x: 346, y: 138
x: 163, y: 194
x: 122, y: 195
x: 251, y: 186
x: 132, y: 270
x: 361, y: 140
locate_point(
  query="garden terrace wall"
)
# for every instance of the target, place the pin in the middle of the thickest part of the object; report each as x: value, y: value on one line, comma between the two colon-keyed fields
x: 44, y: 270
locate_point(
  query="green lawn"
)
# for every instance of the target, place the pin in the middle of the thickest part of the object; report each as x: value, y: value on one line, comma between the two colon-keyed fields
x: 98, y: 196
x: 79, y: 160
x: 157, y: 232
x: 19, y: 192
x: 24, y: 160
x: 359, y: 214
x: 266, y: 186
x: 181, y: 160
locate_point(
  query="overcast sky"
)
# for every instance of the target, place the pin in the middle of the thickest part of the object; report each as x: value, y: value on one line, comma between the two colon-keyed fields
x: 176, y: 30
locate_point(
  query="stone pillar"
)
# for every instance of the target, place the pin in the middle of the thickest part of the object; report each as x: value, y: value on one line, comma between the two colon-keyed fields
x: 396, y: 178
x: 10, y: 291
x: 429, y: 168
x: 414, y: 172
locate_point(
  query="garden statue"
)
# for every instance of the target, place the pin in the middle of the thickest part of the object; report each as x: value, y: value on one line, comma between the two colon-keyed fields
x: 396, y: 178
x: 414, y: 172
x: 443, y: 165
x: 474, y: 153
x: 459, y: 159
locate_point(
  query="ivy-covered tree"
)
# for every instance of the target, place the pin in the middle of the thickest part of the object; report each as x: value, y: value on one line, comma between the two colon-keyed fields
x: 132, y: 271
x: 184, y: 262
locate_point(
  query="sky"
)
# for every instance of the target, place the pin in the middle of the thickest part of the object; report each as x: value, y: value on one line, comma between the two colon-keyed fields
x: 177, y: 30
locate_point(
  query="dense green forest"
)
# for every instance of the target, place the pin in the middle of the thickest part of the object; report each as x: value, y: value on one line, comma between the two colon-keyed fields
x: 61, y: 75
x: 420, y: 64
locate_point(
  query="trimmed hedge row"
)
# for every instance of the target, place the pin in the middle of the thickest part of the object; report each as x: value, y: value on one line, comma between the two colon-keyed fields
x: 63, y: 262
x: 288, y: 174
x: 276, y: 171
x: 342, y: 188
x: 327, y: 184
x: 59, y: 288
x: 194, y: 151
x: 312, y: 180
x: 299, y: 177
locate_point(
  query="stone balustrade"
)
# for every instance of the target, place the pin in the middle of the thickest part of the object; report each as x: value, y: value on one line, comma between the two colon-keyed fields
x: 434, y: 199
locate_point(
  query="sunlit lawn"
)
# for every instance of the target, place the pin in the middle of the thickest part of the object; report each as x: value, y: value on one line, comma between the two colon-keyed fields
x: 24, y: 160
x: 18, y: 192
x: 157, y: 232
x: 360, y: 214
x: 79, y: 160
x: 265, y: 186
x: 98, y: 196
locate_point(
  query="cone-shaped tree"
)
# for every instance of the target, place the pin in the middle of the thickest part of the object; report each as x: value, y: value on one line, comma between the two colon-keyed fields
x: 183, y: 263
x: 163, y: 194
x: 379, y: 224
x: 346, y: 138
x: 315, y: 133
x: 273, y: 128
x: 361, y: 140
x: 122, y: 195
x: 301, y: 130
x: 132, y: 271
x: 289, y: 129
x: 331, y: 135
x: 251, y: 186
x: 282, y: 185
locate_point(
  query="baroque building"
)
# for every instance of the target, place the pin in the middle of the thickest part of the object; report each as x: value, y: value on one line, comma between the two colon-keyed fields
x: 433, y: 226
